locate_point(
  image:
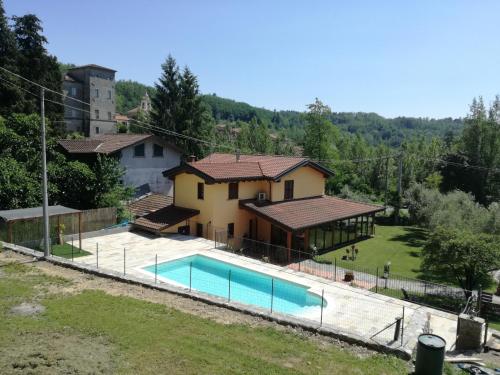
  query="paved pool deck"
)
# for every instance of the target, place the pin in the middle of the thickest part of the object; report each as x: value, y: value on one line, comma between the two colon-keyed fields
x: 348, y: 309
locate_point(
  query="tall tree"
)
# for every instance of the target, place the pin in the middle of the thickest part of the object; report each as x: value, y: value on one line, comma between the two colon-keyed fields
x: 35, y: 64
x: 194, y: 119
x: 320, y: 133
x: 10, y: 95
x: 166, y: 101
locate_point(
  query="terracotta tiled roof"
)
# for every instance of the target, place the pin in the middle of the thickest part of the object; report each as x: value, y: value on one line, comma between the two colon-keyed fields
x: 164, y: 218
x: 225, y: 167
x: 304, y: 213
x: 104, y: 144
x: 149, y: 203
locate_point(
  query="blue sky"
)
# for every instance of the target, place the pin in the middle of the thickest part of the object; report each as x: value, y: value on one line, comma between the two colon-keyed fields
x: 420, y: 58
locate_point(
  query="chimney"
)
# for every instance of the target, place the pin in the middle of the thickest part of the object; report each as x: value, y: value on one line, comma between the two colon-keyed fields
x: 238, y: 155
x: 191, y: 158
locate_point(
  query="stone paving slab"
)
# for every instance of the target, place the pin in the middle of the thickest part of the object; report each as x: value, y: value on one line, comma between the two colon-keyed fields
x: 349, y: 309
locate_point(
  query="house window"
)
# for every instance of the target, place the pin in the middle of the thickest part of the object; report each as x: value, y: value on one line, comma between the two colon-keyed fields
x: 73, y: 113
x: 230, y: 230
x: 109, y: 94
x: 288, y: 189
x: 73, y: 91
x: 201, y: 190
x: 109, y: 116
x: 96, y: 93
x: 139, y: 151
x: 96, y: 114
x: 97, y: 130
x: 233, y: 190
x: 157, y: 151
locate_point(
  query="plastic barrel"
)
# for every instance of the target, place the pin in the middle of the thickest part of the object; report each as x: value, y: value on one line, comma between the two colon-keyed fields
x: 430, y: 355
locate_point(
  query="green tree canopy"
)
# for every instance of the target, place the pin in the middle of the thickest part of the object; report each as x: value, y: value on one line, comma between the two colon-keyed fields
x: 463, y: 256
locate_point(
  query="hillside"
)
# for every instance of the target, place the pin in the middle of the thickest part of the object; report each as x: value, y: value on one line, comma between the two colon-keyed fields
x: 375, y: 129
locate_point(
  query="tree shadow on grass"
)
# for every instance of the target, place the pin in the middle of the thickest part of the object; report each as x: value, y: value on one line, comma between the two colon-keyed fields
x: 413, y: 237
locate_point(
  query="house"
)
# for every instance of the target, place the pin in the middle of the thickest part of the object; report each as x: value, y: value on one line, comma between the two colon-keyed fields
x: 143, y: 156
x: 272, y: 199
x: 92, y: 84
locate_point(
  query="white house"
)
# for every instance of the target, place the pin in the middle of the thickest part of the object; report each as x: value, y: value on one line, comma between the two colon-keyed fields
x: 144, y: 157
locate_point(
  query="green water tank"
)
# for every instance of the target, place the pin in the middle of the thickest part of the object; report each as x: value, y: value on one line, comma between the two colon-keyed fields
x: 430, y: 355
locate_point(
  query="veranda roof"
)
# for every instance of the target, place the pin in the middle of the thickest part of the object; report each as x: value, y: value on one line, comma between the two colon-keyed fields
x: 304, y: 213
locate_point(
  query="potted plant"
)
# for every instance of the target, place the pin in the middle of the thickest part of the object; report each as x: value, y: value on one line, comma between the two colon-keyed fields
x: 349, y: 276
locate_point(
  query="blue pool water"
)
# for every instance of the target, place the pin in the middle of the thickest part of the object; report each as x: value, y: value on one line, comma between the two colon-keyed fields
x: 249, y: 287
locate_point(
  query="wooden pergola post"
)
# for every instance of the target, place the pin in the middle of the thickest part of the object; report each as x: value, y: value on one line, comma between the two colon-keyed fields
x: 9, y: 230
x: 80, y: 230
x: 289, y: 244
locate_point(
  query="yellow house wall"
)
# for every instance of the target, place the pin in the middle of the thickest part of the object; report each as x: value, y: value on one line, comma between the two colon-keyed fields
x: 308, y: 182
x: 216, y: 210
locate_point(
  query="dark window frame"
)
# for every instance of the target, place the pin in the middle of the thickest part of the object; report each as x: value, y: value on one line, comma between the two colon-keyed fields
x: 201, y: 191
x: 158, y: 147
x: 288, y: 190
x: 136, y: 155
x: 233, y: 190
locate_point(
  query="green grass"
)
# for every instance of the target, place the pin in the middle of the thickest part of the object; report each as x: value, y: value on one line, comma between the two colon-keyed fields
x: 401, y: 245
x: 93, y: 332
x: 65, y: 251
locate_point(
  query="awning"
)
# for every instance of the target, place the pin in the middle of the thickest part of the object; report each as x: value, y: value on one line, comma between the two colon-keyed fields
x: 35, y: 212
x: 164, y: 218
x: 304, y: 213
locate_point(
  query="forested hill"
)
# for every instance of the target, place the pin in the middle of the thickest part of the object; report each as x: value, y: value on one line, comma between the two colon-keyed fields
x: 374, y: 128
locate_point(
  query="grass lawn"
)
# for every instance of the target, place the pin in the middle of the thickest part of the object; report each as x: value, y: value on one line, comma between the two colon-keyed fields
x: 65, y: 251
x: 93, y: 332
x: 401, y: 245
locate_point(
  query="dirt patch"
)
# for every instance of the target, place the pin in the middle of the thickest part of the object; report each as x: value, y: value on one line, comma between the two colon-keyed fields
x: 52, y: 353
x: 27, y: 309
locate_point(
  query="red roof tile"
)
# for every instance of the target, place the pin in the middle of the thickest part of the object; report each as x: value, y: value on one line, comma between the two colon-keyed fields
x: 225, y: 167
x: 105, y: 143
x: 304, y: 213
x: 164, y: 218
x: 149, y: 203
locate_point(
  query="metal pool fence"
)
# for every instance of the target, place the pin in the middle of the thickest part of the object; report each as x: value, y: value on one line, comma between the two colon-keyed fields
x: 439, y: 296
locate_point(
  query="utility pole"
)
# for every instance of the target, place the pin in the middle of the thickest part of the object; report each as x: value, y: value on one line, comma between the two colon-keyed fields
x: 46, y: 239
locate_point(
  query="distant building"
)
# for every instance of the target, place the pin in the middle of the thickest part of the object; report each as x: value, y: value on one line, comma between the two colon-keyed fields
x: 145, y: 106
x: 92, y: 84
x: 143, y: 156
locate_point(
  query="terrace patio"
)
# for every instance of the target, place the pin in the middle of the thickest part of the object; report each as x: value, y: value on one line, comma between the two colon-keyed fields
x: 350, y: 310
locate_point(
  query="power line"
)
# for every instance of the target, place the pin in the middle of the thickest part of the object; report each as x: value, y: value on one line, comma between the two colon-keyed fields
x: 149, y: 126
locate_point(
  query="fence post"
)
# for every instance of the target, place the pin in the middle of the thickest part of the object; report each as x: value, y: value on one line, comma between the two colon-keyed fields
x: 124, y: 265
x: 479, y: 299
x: 97, y: 254
x: 425, y: 288
x: 299, y: 259
x: 215, y: 239
x: 335, y: 270
x: 156, y: 268
x: 190, y: 274
x: 403, y: 327
x: 376, y: 282
x: 72, y: 251
x: 272, y: 294
x: 322, y: 304
x: 229, y: 287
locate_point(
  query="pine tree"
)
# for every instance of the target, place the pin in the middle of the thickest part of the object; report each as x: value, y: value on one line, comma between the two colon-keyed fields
x: 166, y: 101
x: 10, y: 96
x: 35, y: 64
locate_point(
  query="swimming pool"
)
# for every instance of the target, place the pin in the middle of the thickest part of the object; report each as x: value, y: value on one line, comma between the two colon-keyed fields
x: 238, y: 284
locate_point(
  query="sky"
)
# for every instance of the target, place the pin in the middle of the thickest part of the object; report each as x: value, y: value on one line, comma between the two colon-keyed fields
x: 396, y: 58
